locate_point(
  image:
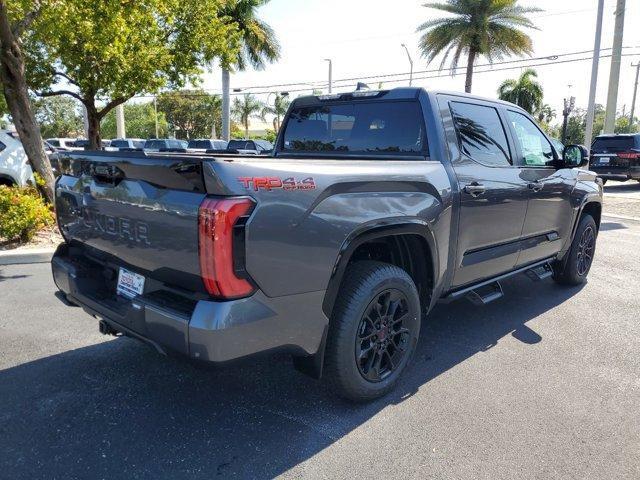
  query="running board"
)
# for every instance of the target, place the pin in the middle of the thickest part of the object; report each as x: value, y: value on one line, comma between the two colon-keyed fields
x: 490, y: 290
x: 541, y: 272
x: 485, y: 294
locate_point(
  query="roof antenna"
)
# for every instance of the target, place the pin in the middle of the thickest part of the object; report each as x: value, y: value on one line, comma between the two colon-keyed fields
x: 362, y: 86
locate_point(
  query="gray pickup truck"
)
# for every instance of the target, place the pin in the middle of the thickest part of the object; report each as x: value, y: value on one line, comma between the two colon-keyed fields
x: 373, y: 206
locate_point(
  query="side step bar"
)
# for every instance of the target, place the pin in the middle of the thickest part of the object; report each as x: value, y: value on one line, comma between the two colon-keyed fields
x: 491, y: 290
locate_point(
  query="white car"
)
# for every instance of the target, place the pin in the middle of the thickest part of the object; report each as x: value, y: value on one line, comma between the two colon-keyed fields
x: 64, y: 143
x: 14, y: 165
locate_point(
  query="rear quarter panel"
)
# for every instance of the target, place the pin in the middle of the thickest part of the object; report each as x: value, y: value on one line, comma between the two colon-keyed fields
x: 294, y: 236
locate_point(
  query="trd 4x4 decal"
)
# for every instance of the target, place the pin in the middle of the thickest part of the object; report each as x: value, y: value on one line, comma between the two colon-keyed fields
x: 275, y: 183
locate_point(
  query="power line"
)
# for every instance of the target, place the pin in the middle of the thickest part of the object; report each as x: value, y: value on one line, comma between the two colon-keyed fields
x: 262, y: 89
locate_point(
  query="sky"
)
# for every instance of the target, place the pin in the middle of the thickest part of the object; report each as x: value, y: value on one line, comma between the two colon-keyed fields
x: 364, y: 37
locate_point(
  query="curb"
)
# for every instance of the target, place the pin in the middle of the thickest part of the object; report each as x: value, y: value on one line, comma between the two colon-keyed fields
x: 25, y: 256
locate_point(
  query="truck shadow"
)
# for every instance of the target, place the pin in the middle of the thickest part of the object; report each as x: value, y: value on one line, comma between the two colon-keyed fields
x: 117, y: 409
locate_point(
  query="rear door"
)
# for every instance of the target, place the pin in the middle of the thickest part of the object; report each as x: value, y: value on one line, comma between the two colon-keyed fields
x: 549, y: 212
x: 493, y: 193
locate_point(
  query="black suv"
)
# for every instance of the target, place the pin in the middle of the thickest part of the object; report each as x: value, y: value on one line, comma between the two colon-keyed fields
x: 616, y: 157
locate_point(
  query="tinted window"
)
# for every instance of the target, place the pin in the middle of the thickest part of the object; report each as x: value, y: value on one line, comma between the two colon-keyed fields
x: 359, y: 127
x: 155, y: 144
x: 237, y: 145
x: 536, y: 149
x: 481, y: 133
x: 53, y: 142
x: 2, y: 146
x: 119, y: 143
x: 200, y: 144
x: 613, y: 144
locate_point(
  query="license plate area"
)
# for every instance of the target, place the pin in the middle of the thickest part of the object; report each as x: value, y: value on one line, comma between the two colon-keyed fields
x: 604, y: 160
x: 130, y: 284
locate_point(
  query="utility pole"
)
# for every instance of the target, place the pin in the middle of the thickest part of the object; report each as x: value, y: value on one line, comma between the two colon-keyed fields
x: 330, y: 74
x: 410, y: 63
x: 226, y: 105
x: 155, y: 109
x: 591, y: 109
x: 635, y: 94
x: 120, y: 130
x: 569, y: 104
x: 614, y: 76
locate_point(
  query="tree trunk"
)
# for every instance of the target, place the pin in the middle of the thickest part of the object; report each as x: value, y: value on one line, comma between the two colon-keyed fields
x: 246, y: 129
x: 17, y: 97
x: 470, y: 62
x: 93, y: 119
x: 226, y: 105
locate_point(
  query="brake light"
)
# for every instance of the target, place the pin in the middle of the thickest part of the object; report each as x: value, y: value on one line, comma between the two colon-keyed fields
x: 217, y: 219
x: 629, y: 155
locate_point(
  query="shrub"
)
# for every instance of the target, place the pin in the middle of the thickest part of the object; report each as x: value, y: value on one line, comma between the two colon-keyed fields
x: 22, y: 213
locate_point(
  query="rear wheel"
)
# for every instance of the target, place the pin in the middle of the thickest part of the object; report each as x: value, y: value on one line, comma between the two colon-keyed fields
x: 373, y: 331
x: 575, y: 269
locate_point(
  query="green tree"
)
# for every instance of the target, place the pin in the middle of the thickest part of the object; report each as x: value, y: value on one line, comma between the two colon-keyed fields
x: 59, y: 117
x: 545, y: 114
x: 192, y: 113
x: 16, y: 19
x: 259, y: 45
x: 140, y: 119
x: 128, y: 48
x: 245, y: 108
x: 489, y: 28
x: 277, y: 110
x: 526, y: 91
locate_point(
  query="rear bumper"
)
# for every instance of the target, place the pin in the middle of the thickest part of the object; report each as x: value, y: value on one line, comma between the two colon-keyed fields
x: 620, y: 174
x: 205, y: 330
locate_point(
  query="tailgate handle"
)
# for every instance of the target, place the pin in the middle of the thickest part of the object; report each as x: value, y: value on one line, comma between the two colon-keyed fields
x: 106, y: 174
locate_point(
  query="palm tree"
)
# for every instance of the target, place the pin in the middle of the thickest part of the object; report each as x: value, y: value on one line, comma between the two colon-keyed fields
x: 489, y: 28
x: 525, y: 92
x: 246, y: 108
x: 278, y: 110
x: 259, y: 46
x: 545, y: 114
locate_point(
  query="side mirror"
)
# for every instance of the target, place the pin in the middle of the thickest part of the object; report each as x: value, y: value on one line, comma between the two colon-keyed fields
x: 575, y: 156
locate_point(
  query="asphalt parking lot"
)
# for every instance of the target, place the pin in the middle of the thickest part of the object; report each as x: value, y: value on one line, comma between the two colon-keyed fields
x: 544, y: 383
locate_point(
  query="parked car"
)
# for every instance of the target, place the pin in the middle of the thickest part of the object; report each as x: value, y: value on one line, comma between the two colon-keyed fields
x: 203, y: 144
x: 616, y: 157
x: 373, y: 207
x: 14, y: 165
x: 165, y: 145
x: 126, y: 144
x: 65, y: 144
x: 249, y: 147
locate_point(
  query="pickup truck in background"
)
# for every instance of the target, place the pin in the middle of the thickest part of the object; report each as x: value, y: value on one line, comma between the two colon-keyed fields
x: 373, y: 206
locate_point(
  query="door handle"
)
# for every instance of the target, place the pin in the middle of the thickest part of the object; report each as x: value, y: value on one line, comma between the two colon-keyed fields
x: 536, y: 186
x: 475, y: 189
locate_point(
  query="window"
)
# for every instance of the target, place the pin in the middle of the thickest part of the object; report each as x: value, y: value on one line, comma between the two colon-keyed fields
x: 53, y: 142
x: 238, y: 145
x: 481, y: 133
x: 613, y: 144
x: 2, y: 146
x: 119, y: 143
x: 536, y: 149
x: 366, y: 128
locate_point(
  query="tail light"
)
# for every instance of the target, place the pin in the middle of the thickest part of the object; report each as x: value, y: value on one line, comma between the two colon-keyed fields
x: 629, y: 155
x: 220, y: 223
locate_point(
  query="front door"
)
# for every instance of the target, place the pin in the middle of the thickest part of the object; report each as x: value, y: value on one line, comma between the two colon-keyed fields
x: 549, y: 213
x: 493, y: 193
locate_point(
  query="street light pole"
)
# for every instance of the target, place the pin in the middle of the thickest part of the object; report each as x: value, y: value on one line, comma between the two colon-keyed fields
x: 155, y: 110
x: 410, y: 63
x: 591, y: 109
x: 614, y: 76
x: 569, y: 105
x: 635, y: 94
x: 330, y: 74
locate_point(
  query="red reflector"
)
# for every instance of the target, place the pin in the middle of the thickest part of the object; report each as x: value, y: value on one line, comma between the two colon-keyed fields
x: 217, y: 218
x: 629, y: 155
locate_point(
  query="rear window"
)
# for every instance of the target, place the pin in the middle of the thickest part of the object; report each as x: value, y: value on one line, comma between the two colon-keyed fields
x: 239, y: 145
x: 119, y: 143
x: 155, y: 144
x: 366, y: 128
x: 200, y: 144
x: 613, y: 144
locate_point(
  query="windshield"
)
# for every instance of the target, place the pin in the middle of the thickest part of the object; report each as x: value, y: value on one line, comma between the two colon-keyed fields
x: 371, y: 128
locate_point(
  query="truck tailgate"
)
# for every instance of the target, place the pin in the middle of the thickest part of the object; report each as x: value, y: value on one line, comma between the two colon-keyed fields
x: 142, y: 214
